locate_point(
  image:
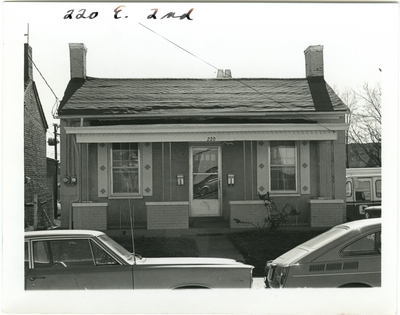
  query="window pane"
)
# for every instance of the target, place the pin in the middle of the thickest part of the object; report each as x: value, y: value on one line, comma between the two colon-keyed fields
x: 363, y: 190
x: 369, y: 244
x: 283, y: 178
x: 348, y: 189
x: 283, y: 165
x: 41, y: 257
x: 26, y: 252
x: 71, y: 251
x: 125, y: 162
x: 378, y: 189
x: 26, y: 258
x: 125, y: 181
x: 100, y: 256
x: 283, y: 153
x: 205, y: 160
x: 205, y: 186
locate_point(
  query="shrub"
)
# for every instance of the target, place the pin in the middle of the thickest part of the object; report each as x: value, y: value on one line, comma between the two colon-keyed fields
x: 274, y: 217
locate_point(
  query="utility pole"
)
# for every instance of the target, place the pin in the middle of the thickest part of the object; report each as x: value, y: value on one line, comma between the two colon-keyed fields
x: 53, y: 142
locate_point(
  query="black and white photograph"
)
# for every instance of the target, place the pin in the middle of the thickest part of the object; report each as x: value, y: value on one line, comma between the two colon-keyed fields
x: 200, y: 157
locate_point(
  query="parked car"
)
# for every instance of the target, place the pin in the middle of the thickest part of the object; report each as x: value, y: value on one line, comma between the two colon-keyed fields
x: 206, y: 186
x: 373, y: 212
x: 348, y: 255
x: 80, y: 259
x: 363, y: 189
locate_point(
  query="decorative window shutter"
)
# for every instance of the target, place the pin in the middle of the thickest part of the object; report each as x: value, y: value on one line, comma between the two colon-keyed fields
x: 305, y: 167
x: 147, y: 168
x: 262, y: 167
x: 102, y: 170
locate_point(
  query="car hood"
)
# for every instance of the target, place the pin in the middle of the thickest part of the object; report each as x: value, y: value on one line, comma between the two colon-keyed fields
x: 189, y: 261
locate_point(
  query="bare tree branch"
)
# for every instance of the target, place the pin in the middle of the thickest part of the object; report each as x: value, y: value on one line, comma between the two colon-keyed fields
x: 365, y: 124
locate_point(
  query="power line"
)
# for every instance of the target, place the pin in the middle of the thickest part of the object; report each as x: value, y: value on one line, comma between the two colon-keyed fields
x: 44, y: 79
x: 178, y: 46
x: 250, y: 87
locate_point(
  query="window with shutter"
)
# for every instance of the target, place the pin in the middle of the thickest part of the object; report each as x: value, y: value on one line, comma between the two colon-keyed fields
x: 125, y: 169
x: 125, y: 176
x: 283, y: 166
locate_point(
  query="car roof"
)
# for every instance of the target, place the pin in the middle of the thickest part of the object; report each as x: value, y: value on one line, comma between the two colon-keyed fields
x: 366, y: 224
x: 45, y: 233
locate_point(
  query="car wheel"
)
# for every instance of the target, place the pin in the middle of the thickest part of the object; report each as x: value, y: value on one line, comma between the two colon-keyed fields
x: 355, y: 285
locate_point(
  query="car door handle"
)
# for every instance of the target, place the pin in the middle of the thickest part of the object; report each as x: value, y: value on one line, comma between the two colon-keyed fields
x: 34, y: 278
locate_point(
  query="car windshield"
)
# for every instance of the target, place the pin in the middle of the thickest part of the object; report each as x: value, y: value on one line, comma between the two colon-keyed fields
x: 325, y: 238
x: 113, y: 245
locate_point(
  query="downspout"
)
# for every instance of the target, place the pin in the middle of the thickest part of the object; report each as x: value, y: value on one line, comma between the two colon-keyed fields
x: 79, y: 178
x: 87, y: 171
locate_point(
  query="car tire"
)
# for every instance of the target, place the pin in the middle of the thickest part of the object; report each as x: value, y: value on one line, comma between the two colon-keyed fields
x: 355, y: 285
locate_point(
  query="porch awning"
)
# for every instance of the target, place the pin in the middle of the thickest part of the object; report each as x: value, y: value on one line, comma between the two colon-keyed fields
x: 205, y: 132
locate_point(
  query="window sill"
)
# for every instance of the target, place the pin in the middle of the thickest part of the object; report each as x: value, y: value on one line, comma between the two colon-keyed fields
x: 283, y: 194
x: 125, y: 197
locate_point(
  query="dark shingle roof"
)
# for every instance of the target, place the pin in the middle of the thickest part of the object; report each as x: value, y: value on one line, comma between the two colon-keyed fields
x: 95, y: 96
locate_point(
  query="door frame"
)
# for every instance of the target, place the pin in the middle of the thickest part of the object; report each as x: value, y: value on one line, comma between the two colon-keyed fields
x: 205, y: 144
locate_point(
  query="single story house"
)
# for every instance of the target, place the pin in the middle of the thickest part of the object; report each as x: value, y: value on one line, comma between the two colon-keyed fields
x: 167, y: 153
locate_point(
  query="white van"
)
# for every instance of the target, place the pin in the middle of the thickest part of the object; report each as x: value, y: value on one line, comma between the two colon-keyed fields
x: 363, y: 189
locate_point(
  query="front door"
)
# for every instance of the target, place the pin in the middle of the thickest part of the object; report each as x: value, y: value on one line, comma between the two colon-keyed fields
x: 205, y: 192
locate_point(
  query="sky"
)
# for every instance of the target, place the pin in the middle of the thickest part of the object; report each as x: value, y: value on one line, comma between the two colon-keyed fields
x: 252, y: 39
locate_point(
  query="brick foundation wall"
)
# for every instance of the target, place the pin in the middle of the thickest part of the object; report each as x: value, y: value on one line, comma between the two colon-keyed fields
x: 326, y: 213
x: 90, y: 216
x: 252, y: 211
x: 167, y: 215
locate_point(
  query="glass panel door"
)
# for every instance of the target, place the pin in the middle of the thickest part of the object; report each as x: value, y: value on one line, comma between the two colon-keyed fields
x: 205, y: 181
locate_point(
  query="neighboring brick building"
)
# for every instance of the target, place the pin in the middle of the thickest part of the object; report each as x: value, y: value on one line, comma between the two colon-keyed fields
x: 173, y: 152
x: 38, y: 212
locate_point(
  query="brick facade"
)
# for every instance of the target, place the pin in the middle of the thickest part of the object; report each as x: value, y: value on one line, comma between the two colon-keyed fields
x: 35, y: 163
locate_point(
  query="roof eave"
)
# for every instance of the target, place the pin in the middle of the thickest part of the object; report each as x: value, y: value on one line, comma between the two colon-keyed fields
x: 277, y: 114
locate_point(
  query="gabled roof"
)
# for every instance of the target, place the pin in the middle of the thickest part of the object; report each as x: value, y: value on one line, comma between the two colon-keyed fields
x: 166, y: 97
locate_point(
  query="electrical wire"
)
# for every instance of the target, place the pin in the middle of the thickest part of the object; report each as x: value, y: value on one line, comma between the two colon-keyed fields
x: 179, y: 46
x: 238, y: 80
x: 54, y: 109
x: 57, y: 102
x: 43, y: 78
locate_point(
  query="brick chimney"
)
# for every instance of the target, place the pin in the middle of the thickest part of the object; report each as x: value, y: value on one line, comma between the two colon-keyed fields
x: 77, y: 55
x: 314, y: 61
x: 28, y: 69
x: 221, y: 74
